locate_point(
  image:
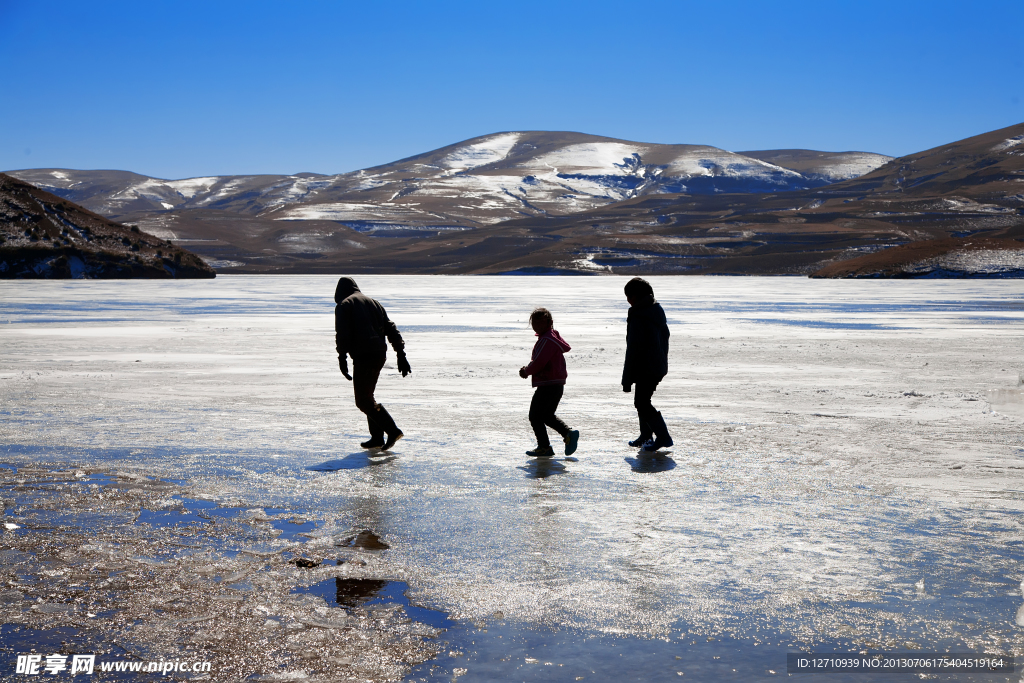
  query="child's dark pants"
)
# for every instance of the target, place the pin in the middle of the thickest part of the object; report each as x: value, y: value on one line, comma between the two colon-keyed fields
x: 542, y: 413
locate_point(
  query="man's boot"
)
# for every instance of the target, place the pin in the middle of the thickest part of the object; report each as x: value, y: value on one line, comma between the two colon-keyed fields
x: 376, y: 435
x: 387, y: 423
x: 662, y: 440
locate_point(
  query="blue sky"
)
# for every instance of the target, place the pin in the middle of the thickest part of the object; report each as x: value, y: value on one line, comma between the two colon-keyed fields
x: 180, y: 89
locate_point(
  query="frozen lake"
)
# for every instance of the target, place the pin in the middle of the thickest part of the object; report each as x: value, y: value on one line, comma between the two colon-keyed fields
x: 847, y: 471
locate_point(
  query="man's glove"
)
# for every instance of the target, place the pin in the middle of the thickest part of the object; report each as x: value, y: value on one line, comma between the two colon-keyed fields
x: 343, y: 363
x: 626, y: 387
x: 403, y: 364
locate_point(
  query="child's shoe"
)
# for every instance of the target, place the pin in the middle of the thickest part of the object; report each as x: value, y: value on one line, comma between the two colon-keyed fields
x: 571, y: 440
x: 641, y: 441
x: 541, y: 452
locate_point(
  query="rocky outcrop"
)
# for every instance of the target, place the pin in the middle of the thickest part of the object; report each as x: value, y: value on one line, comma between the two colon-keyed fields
x: 44, y: 236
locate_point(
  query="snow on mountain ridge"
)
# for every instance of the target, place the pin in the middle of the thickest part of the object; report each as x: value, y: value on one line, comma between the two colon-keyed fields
x: 1009, y: 143
x: 594, y: 158
x: 712, y: 162
x: 488, y: 151
x: 477, y: 182
x: 189, y: 187
x: 856, y: 165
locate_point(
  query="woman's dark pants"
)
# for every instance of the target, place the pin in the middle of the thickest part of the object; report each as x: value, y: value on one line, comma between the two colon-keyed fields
x: 542, y: 413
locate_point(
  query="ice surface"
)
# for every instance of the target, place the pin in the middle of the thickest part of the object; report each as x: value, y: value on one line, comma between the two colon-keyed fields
x: 835, y: 444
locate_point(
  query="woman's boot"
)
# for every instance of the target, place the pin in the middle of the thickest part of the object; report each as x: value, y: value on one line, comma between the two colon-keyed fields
x: 662, y: 438
x: 645, y: 435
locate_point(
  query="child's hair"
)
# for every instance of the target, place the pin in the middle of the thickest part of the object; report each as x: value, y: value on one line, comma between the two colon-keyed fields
x: 639, y: 288
x: 542, y: 314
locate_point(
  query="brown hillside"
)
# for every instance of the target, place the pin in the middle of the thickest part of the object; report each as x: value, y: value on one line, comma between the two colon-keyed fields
x: 44, y: 236
x: 951, y: 257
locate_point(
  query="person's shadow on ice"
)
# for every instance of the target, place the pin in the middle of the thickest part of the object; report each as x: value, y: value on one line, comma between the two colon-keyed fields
x: 542, y: 468
x: 651, y: 463
x: 352, y: 461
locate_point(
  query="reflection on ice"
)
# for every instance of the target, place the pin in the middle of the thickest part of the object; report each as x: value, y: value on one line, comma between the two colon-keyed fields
x: 350, y: 594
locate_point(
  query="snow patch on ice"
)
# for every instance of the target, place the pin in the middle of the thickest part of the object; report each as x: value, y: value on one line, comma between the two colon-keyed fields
x: 1007, y: 401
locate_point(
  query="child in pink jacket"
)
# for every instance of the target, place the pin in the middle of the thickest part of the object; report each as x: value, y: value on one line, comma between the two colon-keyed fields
x: 548, y: 369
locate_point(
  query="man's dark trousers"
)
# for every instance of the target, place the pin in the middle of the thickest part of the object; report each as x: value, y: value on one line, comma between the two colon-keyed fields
x: 365, y: 373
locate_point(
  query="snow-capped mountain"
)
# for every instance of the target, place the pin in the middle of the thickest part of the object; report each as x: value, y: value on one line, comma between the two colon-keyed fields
x: 581, y: 203
x: 477, y: 182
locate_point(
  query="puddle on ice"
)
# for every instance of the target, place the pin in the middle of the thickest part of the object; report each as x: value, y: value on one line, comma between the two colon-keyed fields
x: 845, y: 476
x: 195, y: 585
x: 365, y: 594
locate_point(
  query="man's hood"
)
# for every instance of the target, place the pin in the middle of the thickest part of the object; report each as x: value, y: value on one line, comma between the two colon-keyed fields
x: 346, y: 288
x: 557, y: 338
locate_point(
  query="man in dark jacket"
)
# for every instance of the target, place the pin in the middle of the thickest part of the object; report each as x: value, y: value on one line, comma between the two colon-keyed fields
x: 646, y: 361
x: 361, y: 324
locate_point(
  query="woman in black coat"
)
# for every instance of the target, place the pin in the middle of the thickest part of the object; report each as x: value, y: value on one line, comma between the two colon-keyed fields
x: 646, y: 362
